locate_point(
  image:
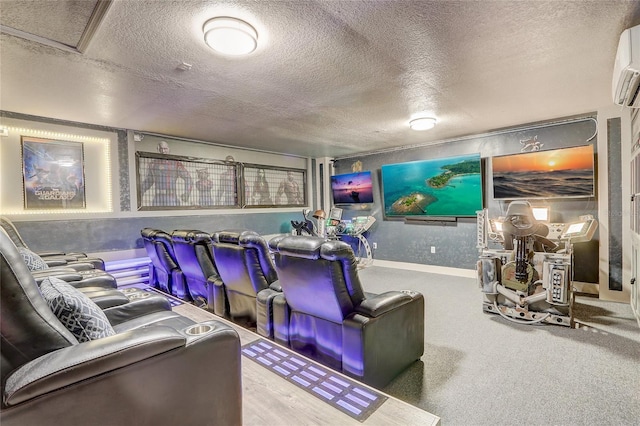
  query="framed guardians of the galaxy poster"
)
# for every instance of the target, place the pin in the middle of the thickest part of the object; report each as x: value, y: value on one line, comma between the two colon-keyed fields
x: 52, y: 174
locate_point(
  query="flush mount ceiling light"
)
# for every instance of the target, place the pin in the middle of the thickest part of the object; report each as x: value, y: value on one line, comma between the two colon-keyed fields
x: 423, y: 123
x: 230, y: 36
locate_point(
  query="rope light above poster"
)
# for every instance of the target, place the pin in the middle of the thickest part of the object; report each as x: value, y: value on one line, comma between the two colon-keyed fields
x: 53, y: 167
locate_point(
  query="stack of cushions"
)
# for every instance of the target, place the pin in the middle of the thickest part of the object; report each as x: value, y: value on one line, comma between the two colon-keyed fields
x: 33, y: 261
x: 79, y: 314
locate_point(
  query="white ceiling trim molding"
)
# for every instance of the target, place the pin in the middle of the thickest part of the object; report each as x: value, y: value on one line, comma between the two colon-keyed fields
x: 96, y: 19
x: 94, y: 22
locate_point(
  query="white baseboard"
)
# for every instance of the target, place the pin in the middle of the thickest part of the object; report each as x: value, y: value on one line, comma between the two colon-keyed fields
x: 468, y: 273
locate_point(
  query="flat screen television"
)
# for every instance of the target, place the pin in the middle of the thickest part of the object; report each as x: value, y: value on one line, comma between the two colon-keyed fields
x: 442, y: 187
x: 563, y: 172
x: 352, y: 188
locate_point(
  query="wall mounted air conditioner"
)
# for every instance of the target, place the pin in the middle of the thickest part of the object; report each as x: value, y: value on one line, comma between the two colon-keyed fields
x: 626, y: 70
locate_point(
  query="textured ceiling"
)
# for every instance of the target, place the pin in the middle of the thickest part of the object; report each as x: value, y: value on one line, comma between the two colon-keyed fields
x: 329, y: 78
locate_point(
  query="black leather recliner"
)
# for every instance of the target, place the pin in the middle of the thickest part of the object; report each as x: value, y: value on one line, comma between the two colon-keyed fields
x: 324, y: 313
x: 52, y: 258
x: 100, y: 287
x: 245, y: 267
x: 79, y: 274
x: 194, y: 254
x: 157, y: 369
x: 164, y: 271
x: 149, y: 246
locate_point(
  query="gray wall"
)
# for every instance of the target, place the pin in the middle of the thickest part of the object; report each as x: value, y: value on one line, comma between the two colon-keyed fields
x: 124, y: 233
x: 107, y: 234
x: 455, y: 244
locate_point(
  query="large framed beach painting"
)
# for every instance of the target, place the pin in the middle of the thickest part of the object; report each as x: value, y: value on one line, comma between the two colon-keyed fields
x: 556, y: 173
x: 443, y: 187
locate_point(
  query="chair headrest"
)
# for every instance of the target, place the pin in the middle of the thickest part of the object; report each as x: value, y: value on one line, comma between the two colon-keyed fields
x: 149, y: 233
x: 190, y: 236
x: 273, y: 242
x: 163, y: 237
x: 335, y: 250
x: 310, y: 247
x: 232, y: 236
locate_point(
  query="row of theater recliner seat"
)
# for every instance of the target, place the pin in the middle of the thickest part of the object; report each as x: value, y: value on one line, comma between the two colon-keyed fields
x: 300, y: 291
x: 79, y: 351
x: 222, y: 272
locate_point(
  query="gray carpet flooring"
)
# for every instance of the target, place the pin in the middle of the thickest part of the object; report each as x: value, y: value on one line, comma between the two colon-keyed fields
x: 480, y: 369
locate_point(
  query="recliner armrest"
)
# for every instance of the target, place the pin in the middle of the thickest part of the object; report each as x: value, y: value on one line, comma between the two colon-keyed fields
x: 62, y: 268
x: 216, y: 296
x: 50, y: 253
x: 276, y: 286
x: 105, y: 298
x: 67, y: 276
x: 54, y: 261
x: 135, y: 307
x: 382, y: 303
x: 73, y: 364
x: 80, y: 266
x: 216, y: 281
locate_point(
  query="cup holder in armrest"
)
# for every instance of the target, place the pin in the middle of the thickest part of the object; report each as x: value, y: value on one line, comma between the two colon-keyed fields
x: 199, y: 329
x: 138, y: 295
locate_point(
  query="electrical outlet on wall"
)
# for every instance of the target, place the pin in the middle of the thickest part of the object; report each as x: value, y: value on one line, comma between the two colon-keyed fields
x: 433, y: 249
x: 375, y: 246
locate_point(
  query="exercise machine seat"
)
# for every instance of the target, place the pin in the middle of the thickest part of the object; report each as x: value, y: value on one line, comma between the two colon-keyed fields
x: 164, y: 271
x: 195, y: 258
x: 324, y: 313
x: 245, y: 267
x: 156, y: 369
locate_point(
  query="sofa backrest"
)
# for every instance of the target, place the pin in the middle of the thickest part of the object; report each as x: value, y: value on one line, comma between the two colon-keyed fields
x: 159, y: 249
x: 165, y: 250
x: 12, y: 232
x: 28, y: 327
x: 243, y: 260
x: 193, y: 252
x: 318, y: 277
x: 148, y: 235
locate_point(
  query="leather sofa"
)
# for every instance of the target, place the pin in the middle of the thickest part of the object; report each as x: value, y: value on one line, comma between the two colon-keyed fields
x: 78, y: 278
x: 149, y: 246
x: 324, y: 313
x: 155, y: 369
x: 245, y: 267
x: 52, y: 258
x: 164, y: 271
x: 79, y: 274
x: 195, y: 257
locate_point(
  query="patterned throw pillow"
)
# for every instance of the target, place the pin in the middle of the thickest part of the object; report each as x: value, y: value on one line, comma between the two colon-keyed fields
x: 79, y: 314
x: 33, y: 261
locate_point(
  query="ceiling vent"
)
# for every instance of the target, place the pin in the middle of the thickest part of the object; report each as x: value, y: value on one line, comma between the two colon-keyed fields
x: 626, y: 70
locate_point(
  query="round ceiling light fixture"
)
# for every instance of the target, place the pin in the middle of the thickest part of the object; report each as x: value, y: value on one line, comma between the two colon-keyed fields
x: 230, y: 36
x: 422, y: 123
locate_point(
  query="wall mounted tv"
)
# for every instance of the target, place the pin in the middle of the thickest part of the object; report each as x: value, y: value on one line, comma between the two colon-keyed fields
x: 443, y: 187
x: 352, y: 188
x: 564, y: 172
